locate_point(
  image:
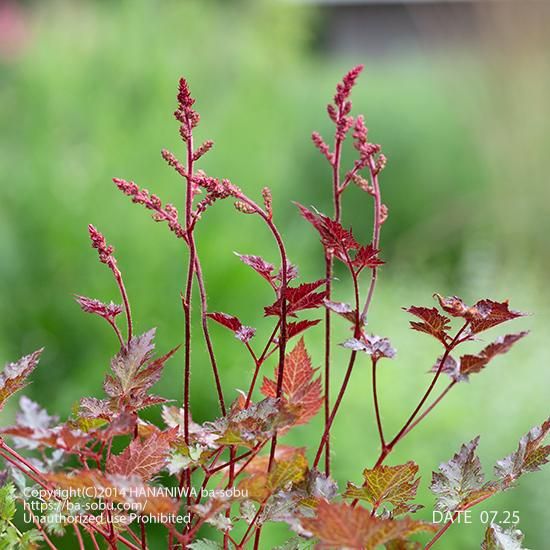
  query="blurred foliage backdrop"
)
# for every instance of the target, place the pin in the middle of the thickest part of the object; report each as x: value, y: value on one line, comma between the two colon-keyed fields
x: 86, y: 93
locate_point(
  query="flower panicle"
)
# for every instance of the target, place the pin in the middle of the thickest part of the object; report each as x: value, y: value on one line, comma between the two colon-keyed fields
x: 185, y: 114
x: 167, y: 213
x: 104, y: 250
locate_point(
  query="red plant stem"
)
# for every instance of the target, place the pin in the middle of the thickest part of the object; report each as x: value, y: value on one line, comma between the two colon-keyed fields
x: 388, y: 448
x: 335, y: 408
x: 143, y: 536
x: 353, y: 356
x: 234, y: 460
x: 329, y: 261
x: 79, y: 537
x: 36, y: 522
x: 374, y: 362
x: 189, y: 284
x: 118, y: 333
x: 282, y: 296
x: 32, y: 476
x: 376, y: 226
x: 18, y: 461
x: 259, y: 361
x: 133, y: 535
x: 326, y: 407
x: 247, y: 533
x: 232, y: 453
x: 187, y: 357
x: 442, y: 531
x: 206, y: 332
x: 429, y: 409
x: 94, y: 541
x: 250, y: 459
x: 124, y: 295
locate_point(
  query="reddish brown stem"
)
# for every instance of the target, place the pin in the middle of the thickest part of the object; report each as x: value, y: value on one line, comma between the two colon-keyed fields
x: 335, y: 408
x: 259, y: 362
x: 388, y: 449
x: 206, y: 332
x: 124, y: 295
x: 429, y: 409
x: 38, y: 525
x: 79, y: 537
x: 374, y: 362
x: 443, y: 530
x: 376, y: 227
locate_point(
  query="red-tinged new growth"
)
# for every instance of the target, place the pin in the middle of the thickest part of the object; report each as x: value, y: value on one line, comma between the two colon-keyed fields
x: 114, y: 451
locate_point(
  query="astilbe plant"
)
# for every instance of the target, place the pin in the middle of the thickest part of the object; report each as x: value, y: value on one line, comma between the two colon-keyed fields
x: 233, y: 472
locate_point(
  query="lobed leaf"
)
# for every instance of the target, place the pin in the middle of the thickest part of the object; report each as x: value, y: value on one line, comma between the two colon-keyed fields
x: 91, y: 305
x: 432, y: 322
x: 341, y: 526
x: 287, y: 472
x: 375, y: 346
x: 396, y: 485
x: 301, y: 390
x: 460, y: 370
x: 304, y: 296
x: 497, y: 538
x: 143, y: 458
x: 14, y: 376
x: 530, y: 455
x: 134, y: 373
x: 483, y: 315
x: 460, y: 481
x: 259, y: 265
x: 242, y: 332
x: 295, y: 328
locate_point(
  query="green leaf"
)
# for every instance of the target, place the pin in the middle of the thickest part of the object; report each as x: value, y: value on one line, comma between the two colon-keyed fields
x: 204, y: 544
x: 396, y: 485
x: 296, y: 543
x: 7, y: 502
x: 29, y: 540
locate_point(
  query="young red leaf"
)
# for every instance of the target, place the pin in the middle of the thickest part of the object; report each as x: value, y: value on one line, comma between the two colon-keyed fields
x: 483, y: 315
x: 298, y: 299
x: 461, y: 480
x: 342, y: 309
x: 530, y: 455
x: 134, y: 373
x: 33, y: 424
x: 258, y: 264
x: 293, y: 329
x: 469, y: 364
x: 491, y: 314
x: 373, y: 345
x: 367, y: 257
x: 143, y: 458
x: 14, y: 376
x: 249, y: 425
x: 242, y: 332
x: 334, y: 237
x: 454, y: 306
x: 91, y: 305
x: 338, y: 525
x: 432, y: 322
x: 396, y: 485
x: 300, y: 389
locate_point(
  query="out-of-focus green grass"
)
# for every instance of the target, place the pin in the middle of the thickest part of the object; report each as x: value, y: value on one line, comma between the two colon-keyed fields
x: 91, y: 98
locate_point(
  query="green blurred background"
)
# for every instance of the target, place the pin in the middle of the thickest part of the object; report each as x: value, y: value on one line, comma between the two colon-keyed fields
x: 457, y: 94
